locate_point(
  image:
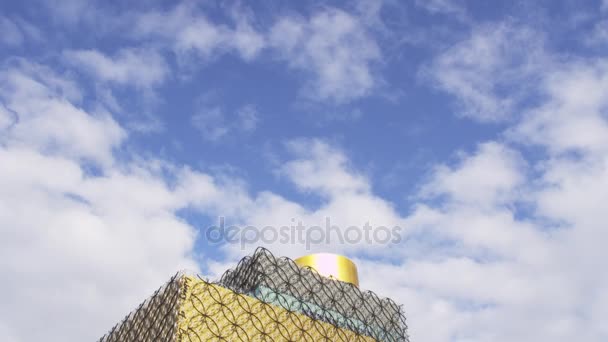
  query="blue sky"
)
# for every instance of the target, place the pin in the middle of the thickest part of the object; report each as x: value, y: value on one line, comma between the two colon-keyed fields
x: 480, y: 128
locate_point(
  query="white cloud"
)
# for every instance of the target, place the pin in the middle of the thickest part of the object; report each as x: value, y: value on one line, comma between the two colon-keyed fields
x: 189, y: 31
x: 336, y: 50
x: 574, y: 119
x: 491, y: 275
x: 210, y: 122
x: 492, y: 267
x: 500, y: 275
x: 214, y: 124
x: 470, y: 267
x: 488, y: 178
x: 322, y: 169
x: 48, y: 120
x: 139, y: 67
x: 245, y: 38
x: 335, y: 47
x: 142, y: 68
x: 491, y: 72
x: 72, y: 240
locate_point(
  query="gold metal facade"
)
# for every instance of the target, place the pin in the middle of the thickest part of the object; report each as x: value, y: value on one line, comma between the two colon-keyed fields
x: 190, y: 309
x: 209, y: 312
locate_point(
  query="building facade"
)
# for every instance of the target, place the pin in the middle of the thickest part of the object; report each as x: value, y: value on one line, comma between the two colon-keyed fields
x: 263, y: 298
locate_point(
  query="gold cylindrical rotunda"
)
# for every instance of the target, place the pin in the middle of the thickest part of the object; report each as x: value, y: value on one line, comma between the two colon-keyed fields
x: 332, y: 266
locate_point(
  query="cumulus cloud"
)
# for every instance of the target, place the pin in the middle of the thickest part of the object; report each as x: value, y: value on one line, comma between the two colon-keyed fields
x: 72, y: 243
x: 335, y: 47
x: 322, y: 169
x: 318, y: 169
x: 574, y: 119
x: 48, y: 119
x: 491, y: 72
x: 497, y: 274
x: 493, y: 275
x: 488, y: 178
x: 75, y: 238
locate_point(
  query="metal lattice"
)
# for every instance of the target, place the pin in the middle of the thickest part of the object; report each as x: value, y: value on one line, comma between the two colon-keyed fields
x: 281, y: 282
x: 262, y: 299
x: 154, y: 320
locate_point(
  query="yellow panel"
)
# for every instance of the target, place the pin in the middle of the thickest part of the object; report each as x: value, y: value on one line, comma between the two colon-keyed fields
x: 209, y: 312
